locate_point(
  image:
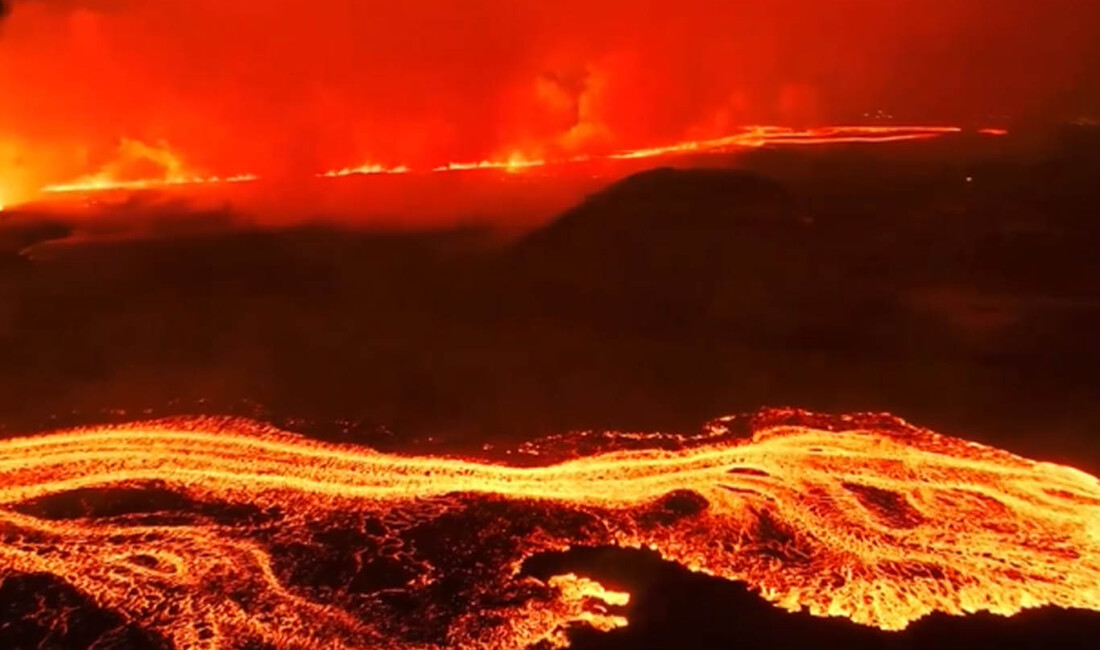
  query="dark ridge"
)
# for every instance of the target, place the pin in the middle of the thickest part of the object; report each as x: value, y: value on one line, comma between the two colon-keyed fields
x: 652, y: 251
x: 679, y: 205
x: 670, y: 184
x: 672, y: 607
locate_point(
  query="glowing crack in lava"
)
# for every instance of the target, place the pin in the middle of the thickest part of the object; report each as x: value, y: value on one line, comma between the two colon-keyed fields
x: 108, y: 179
x: 221, y: 533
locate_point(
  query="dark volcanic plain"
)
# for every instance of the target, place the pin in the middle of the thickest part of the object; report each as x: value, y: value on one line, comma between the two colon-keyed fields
x: 956, y: 289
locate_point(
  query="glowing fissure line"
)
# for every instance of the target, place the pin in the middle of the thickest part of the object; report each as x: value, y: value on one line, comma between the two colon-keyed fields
x: 752, y: 137
x: 105, y: 185
x: 761, y: 136
x: 364, y: 170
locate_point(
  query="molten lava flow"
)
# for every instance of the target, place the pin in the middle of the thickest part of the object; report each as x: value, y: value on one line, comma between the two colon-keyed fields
x: 218, y: 533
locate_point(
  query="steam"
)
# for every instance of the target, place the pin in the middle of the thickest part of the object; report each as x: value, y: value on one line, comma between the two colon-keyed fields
x: 272, y: 89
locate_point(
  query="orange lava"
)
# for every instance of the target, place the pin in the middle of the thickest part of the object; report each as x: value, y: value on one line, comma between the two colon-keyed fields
x: 762, y: 136
x: 863, y: 517
x: 110, y: 185
x: 108, y: 179
x: 364, y: 170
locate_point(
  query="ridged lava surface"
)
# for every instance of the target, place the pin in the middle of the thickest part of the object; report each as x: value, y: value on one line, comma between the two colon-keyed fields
x: 226, y: 534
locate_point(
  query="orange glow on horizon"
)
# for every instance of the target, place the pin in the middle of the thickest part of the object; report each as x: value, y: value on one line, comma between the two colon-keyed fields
x: 132, y: 158
x: 286, y: 92
x: 365, y: 170
x: 516, y: 162
x: 98, y: 184
x: 863, y: 517
x: 750, y: 137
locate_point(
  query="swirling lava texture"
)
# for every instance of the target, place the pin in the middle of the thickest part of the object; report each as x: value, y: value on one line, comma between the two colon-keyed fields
x: 226, y: 534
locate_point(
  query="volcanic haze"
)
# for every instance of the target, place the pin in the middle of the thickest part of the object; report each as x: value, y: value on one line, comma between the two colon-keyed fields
x: 287, y: 90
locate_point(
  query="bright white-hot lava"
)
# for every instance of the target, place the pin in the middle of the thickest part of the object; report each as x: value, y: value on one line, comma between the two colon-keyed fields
x: 863, y: 517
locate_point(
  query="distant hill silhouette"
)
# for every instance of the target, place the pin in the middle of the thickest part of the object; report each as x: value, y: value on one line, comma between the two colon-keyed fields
x: 658, y: 220
x: 661, y: 242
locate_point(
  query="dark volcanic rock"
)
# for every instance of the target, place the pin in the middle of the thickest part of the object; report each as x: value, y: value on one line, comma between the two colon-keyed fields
x: 658, y: 247
x: 666, y: 221
x: 17, y: 235
x: 41, y: 613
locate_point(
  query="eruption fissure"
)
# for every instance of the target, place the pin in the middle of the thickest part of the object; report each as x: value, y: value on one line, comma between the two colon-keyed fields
x: 751, y: 137
x: 863, y: 517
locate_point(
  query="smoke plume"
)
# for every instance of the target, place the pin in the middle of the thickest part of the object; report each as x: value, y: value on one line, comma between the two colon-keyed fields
x: 287, y: 89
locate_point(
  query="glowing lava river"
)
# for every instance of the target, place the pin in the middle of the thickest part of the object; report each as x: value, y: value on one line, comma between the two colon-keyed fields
x: 226, y: 534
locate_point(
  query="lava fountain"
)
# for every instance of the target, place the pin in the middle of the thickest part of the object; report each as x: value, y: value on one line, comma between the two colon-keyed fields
x: 220, y: 533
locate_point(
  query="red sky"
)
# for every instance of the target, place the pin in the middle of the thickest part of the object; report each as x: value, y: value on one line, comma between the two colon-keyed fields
x: 280, y: 87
